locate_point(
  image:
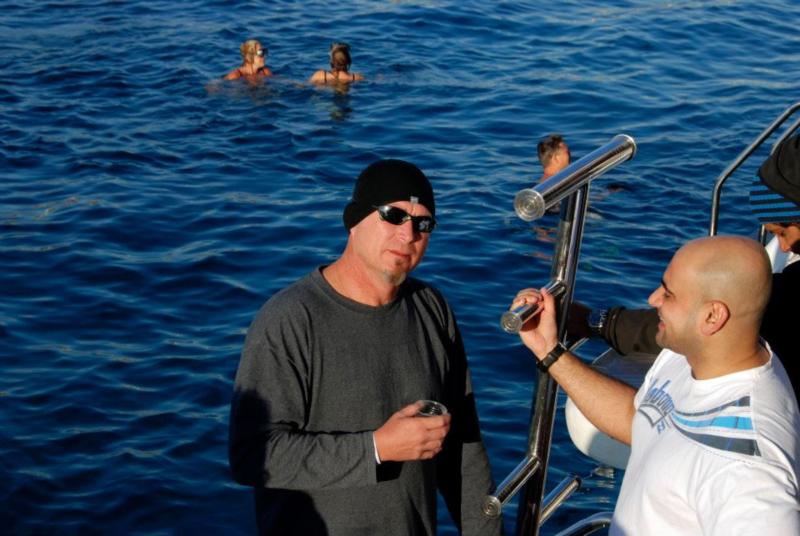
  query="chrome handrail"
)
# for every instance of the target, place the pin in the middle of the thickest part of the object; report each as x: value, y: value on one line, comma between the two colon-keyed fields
x: 513, y: 320
x: 593, y: 523
x: 565, y: 263
x: 532, y: 203
x: 744, y: 155
x: 573, y: 184
x: 493, y: 504
x: 558, y: 495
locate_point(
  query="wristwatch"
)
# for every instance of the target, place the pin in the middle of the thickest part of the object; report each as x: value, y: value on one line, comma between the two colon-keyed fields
x: 596, y: 321
x: 551, y: 358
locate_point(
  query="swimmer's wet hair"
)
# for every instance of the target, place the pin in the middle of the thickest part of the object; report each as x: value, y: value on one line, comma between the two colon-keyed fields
x: 338, y: 50
x: 549, y: 146
x: 249, y: 48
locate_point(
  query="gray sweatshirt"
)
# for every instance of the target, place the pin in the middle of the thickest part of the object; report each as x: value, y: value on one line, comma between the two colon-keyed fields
x: 318, y: 374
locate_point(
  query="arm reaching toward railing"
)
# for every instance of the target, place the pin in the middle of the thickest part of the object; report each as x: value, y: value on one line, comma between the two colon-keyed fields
x: 606, y: 402
x: 625, y: 330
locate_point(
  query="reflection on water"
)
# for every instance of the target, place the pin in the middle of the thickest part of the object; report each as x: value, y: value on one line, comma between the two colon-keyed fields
x: 340, y: 103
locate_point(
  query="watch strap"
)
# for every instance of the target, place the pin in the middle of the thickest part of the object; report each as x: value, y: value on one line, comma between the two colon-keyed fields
x: 552, y: 357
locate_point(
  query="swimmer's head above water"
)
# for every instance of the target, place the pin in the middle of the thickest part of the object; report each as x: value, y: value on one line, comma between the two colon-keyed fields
x: 252, y: 49
x: 340, y: 57
x: 340, y: 60
x: 253, y: 67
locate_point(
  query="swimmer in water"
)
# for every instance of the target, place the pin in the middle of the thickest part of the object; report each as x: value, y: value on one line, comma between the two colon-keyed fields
x: 340, y: 68
x: 253, y: 57
x: 553, y: 154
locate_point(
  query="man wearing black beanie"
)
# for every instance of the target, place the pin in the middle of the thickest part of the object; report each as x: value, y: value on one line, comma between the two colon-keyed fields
x: 329, y: 422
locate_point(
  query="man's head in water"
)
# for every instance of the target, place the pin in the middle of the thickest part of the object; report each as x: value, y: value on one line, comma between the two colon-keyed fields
x: 553, y: 154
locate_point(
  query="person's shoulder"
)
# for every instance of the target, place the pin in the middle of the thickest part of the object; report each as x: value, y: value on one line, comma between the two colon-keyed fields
x: 317, y: 77
x: 292, y: 298
x: 775, y: 414
x: 772, y: 388
x: 414, y: 285
x: 789, y: 276
x: 428, y: 294
x: 289, y: 308
x: 233, y: 75
x: 357, y: 77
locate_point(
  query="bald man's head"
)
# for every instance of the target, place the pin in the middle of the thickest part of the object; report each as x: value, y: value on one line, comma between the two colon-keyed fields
x: 730, y: 269
x: 714, y: 288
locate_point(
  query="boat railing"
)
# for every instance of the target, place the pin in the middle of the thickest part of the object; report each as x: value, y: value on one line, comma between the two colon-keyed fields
x: 588, y: 525
x: 744, y: 155
x: 570, y: 185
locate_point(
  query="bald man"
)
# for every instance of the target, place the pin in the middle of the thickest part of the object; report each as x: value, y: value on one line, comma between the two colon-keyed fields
x: 713, y: 429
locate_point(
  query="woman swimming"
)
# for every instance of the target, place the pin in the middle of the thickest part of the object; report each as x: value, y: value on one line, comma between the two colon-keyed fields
x: 253, y: 57
x: 340, y: 68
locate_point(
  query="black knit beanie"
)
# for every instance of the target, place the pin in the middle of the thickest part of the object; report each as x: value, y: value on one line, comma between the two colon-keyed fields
x: 781, y: 171
x: 387, y: 181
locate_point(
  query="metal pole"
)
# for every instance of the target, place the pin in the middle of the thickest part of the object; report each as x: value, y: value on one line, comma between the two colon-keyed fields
x: 532, y: 203
x: 593, y: 523
x: 493, y: 504
x: 744, y: 155
x: 565, y: 263
x: 560, y: 493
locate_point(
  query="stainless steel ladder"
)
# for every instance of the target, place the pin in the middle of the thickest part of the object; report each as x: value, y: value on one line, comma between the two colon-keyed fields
x: 571, y: 185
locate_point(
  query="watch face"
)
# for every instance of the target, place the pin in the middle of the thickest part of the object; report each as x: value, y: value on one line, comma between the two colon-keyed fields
x: 596, y: 318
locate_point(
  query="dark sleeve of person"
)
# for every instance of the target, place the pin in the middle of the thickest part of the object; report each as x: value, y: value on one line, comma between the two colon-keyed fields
x: 268, y: 446
x: 632, y: 330
x: 463, y: 473
x: 779, y: 325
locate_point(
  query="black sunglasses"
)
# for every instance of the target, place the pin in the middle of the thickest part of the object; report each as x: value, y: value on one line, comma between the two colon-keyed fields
x: 398, y: 216
x: 262, y: 52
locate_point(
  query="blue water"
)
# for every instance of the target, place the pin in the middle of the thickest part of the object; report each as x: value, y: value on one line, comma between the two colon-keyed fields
x: 147, y: 210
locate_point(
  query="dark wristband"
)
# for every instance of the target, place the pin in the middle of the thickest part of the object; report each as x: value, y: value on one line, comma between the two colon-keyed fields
x: 551, y: 358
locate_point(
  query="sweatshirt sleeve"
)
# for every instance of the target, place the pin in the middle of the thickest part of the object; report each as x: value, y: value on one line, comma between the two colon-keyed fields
x: 268, y: 446
x: 463, y: 473
x: 632, y: 330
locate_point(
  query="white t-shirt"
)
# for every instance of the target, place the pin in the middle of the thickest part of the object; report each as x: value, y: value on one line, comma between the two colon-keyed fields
x: 712, y: 457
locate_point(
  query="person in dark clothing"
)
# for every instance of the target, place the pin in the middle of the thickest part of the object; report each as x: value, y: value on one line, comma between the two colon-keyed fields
x: 324, y: 420
x: 775, y: 201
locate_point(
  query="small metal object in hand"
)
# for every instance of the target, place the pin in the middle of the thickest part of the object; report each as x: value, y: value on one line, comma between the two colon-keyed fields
x: 431, y: 408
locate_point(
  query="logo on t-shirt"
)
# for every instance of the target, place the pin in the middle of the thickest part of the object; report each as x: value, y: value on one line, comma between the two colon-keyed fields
x: 657, y: 405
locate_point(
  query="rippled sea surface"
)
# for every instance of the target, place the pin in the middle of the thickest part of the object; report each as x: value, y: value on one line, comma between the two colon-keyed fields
x: 148, y: 209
